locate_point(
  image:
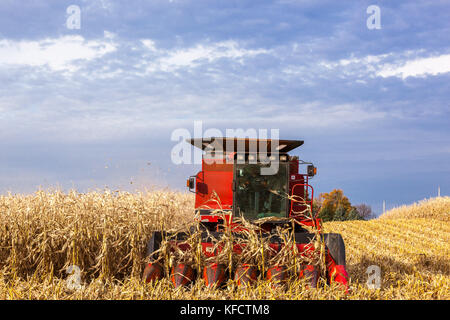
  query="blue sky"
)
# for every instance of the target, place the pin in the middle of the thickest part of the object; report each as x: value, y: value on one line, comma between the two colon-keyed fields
x: 94, y: 107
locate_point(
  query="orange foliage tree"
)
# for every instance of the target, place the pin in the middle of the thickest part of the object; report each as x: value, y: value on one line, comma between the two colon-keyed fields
x: 331, y: 203
x: 335, y: 199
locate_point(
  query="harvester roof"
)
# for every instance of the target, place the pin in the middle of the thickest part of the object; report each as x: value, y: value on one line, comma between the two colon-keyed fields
x: 242, y: 144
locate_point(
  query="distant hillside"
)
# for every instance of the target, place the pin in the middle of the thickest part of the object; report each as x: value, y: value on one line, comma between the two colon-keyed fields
x: 435, y: 208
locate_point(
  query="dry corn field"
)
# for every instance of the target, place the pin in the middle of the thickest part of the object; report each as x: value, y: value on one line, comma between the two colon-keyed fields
x: 105, y: 234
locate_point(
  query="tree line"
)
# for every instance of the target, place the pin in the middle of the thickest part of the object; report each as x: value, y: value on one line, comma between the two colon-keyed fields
x: 335, y: 206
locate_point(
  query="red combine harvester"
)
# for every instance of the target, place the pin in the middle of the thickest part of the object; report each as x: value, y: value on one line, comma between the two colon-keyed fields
x: 238, y: 172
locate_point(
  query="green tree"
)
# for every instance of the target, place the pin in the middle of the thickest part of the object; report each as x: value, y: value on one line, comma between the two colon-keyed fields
x: 340, y: 214
x: 335, y: 206
x: 326, y: 214
x: 354, y: 215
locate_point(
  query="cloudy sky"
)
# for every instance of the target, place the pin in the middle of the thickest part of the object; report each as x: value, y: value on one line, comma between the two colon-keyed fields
x: 95, y: 106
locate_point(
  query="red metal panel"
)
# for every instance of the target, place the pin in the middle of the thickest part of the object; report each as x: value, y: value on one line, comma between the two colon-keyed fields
x: 218, y: 178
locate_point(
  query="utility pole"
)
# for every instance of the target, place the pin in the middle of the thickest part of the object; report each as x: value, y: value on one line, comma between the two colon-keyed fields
x: 439, y: 191
x: 384, y: 206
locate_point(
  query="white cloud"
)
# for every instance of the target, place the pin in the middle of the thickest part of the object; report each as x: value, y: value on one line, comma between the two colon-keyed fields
x: 417, y: 68
x: 401, y: 65
x: 170, y: 60
x: 98, y: 5
x: 370, y: 59
x: 149, y: 44
x: 59, y: 54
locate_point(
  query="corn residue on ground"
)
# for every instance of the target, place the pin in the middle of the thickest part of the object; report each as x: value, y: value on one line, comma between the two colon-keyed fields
x: 434, y: 208
x: 412, y: 254
x: 105, y: 235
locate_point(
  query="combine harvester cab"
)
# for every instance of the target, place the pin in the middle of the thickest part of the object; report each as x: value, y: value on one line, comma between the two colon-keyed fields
x: 256, y: 180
